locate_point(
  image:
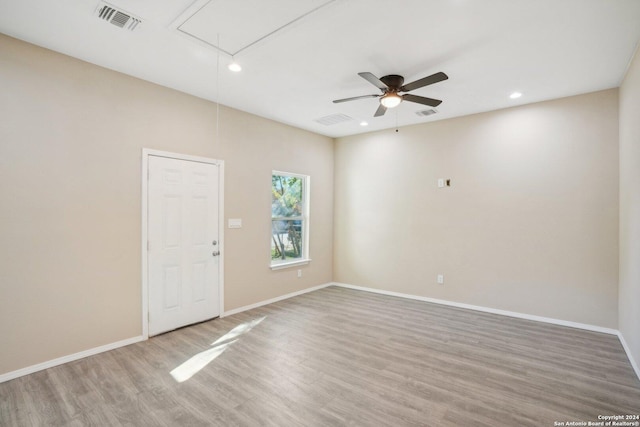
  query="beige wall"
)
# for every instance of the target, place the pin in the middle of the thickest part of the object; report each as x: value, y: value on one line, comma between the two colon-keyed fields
x: 530, y: 223
x: 629, y: 322
x: 71, y: 135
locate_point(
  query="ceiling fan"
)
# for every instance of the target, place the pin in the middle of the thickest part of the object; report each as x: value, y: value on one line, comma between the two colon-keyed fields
x: 392, y: 85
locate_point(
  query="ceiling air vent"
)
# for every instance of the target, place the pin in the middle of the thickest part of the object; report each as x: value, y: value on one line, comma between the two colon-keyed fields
x: 333, y: 119
x: 117, y: 17
x: 426, y: 112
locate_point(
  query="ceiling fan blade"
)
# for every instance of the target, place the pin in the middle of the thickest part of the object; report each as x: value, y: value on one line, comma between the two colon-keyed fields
x: 425, y: 81
x: 380, y: 111
x: 374, y: 81
x: 421, y: 100
x: 337, y: 101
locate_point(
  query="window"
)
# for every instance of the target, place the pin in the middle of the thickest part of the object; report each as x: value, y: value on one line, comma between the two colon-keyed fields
x: 289, y: 219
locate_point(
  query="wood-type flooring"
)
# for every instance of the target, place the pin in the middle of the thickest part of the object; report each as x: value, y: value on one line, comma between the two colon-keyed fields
x: 338, y: 357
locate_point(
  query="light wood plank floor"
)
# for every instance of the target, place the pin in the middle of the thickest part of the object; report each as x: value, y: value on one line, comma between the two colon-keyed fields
x: 339, y: 357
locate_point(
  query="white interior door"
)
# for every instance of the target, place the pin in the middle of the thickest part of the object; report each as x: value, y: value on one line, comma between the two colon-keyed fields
x: 184, y: 248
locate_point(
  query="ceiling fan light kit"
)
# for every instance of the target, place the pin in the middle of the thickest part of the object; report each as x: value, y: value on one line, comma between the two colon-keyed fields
x: 390, y: 100
x: 391, y: 85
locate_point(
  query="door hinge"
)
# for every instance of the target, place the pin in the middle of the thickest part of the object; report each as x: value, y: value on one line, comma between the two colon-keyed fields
x: 148, y: 246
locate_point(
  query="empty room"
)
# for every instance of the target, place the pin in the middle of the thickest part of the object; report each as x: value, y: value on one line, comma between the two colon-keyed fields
x: 320, y: 213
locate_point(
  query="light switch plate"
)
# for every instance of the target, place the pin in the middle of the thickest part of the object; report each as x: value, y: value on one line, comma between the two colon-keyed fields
x: 235, y: 223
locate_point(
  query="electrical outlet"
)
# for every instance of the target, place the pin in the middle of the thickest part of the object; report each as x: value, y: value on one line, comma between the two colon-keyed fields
x: 299, y: 273
x: 441, y: 279
x: 440, y: 182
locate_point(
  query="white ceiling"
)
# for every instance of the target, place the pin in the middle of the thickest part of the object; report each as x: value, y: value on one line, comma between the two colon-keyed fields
x: 299, y: 55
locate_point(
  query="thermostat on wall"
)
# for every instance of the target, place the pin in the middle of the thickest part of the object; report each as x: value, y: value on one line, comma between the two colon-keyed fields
x: 235, y: 222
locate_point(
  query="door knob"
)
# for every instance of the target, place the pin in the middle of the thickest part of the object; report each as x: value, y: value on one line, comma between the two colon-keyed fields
x: 215, y: 253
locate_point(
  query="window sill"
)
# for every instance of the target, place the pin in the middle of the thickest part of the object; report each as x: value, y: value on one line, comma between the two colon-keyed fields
x: 290, y: 264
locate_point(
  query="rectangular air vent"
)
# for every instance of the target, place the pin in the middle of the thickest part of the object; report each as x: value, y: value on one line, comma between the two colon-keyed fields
x: 333, y: 119
x: 117, y: 17
x: 426, y: 112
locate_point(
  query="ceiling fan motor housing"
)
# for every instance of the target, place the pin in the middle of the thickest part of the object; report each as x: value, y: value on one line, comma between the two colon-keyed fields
x: 394, y: 82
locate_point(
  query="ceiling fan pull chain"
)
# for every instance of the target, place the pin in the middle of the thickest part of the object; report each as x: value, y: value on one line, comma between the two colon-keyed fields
x: 397, y: 121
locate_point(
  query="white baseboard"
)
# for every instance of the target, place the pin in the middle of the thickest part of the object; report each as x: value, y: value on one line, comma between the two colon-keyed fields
x: 627, y: 350
x: 484, y: 309
x: 86, y: 353
x: 553, y: 321
x: 276, y: 299
x: 66, y: 359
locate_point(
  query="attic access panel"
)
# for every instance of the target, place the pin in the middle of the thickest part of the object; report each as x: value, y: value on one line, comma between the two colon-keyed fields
x: 240, y: 23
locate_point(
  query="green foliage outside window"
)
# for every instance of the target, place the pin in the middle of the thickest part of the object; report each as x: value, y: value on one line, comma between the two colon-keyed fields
x: 287, y: 217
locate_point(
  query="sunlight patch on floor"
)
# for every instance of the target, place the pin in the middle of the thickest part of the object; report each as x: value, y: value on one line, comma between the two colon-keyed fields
x: 239, y: 330
x: 196, y: 363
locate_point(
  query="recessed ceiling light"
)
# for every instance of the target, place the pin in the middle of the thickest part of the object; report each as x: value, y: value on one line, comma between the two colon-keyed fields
x: 235, y: 67
x: 363, y: 123
x: 515, y: 95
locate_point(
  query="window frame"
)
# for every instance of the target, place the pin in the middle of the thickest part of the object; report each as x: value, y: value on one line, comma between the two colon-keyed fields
x: 304, y: 218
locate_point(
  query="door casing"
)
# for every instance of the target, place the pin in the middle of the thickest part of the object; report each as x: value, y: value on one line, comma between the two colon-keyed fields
x: 146, y: 152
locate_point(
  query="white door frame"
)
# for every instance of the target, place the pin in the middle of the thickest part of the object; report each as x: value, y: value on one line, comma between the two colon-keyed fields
x: 146, y: 152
